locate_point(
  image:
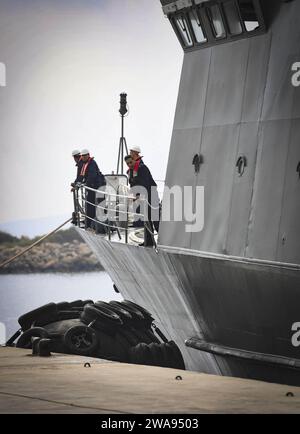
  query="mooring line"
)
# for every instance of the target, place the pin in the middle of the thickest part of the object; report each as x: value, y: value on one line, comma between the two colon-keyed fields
x: 8, y: 261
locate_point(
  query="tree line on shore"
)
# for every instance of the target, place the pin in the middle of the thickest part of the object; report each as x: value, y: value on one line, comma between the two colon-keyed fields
x: 63, y: 252
x: 60, y: 237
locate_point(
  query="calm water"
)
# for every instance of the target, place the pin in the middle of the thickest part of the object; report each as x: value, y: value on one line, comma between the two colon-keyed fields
x: 22, y: 293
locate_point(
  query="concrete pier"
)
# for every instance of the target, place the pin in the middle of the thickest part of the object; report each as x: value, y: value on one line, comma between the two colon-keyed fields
x: 61, y: 384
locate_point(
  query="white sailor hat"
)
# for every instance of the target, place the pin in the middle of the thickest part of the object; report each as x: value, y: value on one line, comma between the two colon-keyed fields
x: 75, y: 152
x: 85, y: 152
x: 136, y: 149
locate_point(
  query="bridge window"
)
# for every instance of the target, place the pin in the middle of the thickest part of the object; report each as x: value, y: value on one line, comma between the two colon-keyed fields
x: 182, y: 26
x: 249, y: 15
x: 232, y: 18
x: 197, y: 26
x: 216, y: 21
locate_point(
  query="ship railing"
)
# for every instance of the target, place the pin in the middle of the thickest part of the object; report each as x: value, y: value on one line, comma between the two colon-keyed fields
x: 113, y: 211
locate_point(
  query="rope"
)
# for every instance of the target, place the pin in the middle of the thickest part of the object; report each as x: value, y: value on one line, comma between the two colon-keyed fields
x: 114, y: 210
x: 118, y: 195
x: 8, y: 261
x: 116, y: 227
x: 105, y: 193
x: 107, y: 225
x: 149, y: 230
x: 104, y: 224
x: 117, y: 211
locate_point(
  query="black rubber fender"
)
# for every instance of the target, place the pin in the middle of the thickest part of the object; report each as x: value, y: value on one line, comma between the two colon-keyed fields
x: 64, y: 305
x: 46, y: 311
x: 123, y: 313
x: 24, y: 340
x: 156, y: 354
x: 103, y: 306
x: 87, y: 302
x: 112, y: 347
x: 172, y: 358
x: 59, y: 328
x: 139, y: 320
x: 123, y: 342
x: 76, y: 309
x: 98, y: 325
x: 76, y: 303
x: 134, y: 308
x: 68, y: 314
x: 132, y: 355
x: 145, y: 312
x: 136, y: 314
x: 44, y: 321
x: 103, y: 314
x: 167, y: 359
x: 107, y: 322
x: 140, y: 354
x: 81, y: 340
x: 152, y: 336
x: 59, y: 316
x: 142, y: 336
x: 177, y: 355
x: 130, y: 336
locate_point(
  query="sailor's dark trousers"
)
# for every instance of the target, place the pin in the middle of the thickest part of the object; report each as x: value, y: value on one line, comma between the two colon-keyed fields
x: 90, y: 209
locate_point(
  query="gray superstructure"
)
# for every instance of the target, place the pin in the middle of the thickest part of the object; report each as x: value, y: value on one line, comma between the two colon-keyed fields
x: 229, y: 295
x: 237, y: 100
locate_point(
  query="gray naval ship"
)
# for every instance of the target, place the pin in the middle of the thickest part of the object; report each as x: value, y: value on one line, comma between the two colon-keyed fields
x: 229, y: 295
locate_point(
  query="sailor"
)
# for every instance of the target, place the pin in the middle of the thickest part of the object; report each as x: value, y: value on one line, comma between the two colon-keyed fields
x: 130, y: 163
x: 76, y: 154
x: 91, y: 177
x: 140, y: 175
x: 135, y: 152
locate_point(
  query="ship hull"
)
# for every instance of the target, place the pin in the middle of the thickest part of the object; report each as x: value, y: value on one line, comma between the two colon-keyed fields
x: 229, y: 316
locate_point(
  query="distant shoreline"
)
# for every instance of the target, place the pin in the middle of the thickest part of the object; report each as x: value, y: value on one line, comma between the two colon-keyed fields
x: 54, y: 256
x: 27, y: 273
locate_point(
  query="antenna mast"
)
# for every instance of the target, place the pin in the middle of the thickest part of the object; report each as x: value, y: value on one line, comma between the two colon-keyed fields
x: 122, y: 145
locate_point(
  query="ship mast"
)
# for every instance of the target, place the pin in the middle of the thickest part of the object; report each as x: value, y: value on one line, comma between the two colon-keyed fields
x: 122, y: 144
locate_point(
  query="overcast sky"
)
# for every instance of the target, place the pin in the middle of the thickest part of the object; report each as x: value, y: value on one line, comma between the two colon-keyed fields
x: 67, y: 62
